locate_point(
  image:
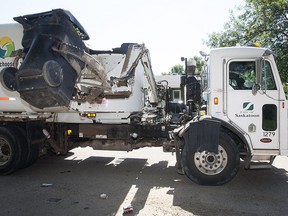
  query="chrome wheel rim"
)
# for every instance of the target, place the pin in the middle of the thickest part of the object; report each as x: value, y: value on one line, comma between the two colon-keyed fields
x: 5, y: 151
x: 210, y: 163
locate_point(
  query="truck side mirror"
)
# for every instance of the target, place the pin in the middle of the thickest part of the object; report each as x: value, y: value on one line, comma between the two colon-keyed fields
x: 259, y: 68
x: 257, y: 85
x: 255, y: 88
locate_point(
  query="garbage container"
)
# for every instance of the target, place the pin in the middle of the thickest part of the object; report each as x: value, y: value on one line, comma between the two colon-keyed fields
x: 45, y: 78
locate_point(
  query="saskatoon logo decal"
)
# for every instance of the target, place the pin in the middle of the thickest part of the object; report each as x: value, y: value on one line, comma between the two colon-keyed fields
x: 6, y: 47
x: 248, y: 110
x: 248, y: 106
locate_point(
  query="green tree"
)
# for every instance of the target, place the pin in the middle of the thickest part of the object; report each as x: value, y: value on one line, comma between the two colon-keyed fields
x: 262, y: 21
x: 177, y: 69
x: 180, y: 69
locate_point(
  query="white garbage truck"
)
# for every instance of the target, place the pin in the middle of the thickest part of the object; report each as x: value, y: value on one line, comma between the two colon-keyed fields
x: 58, y: 93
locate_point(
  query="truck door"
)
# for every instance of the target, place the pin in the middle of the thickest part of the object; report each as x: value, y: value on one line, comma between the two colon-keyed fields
x: 255, y: 112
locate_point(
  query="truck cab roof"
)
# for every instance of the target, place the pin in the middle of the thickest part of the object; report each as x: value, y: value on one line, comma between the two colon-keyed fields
x: 240, y: 52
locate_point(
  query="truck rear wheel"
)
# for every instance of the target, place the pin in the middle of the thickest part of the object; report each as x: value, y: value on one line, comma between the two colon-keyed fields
x: 11, y: 154
x: 208, y: 168
x: 30, y: 151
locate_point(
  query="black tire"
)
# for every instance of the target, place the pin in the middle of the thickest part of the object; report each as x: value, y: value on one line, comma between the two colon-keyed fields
x: 33, y: 154
x: 11, y: 151
x: 30, y: 150
x: 208, y: 168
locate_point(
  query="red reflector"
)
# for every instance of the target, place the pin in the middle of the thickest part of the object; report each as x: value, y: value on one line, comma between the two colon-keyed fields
x: 266, y: 140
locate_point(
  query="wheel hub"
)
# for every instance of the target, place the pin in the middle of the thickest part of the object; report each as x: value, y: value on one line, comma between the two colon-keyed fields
x: 210, y: 163
x: 5, y: 151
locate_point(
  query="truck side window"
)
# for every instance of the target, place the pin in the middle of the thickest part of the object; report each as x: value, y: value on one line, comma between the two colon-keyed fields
x: 242, y: 74
x: 267, y: 81
x: 269, y: 121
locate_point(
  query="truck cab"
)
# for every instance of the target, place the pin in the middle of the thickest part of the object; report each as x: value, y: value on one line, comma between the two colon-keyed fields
x: 245, y: 91
x: 246, y: 104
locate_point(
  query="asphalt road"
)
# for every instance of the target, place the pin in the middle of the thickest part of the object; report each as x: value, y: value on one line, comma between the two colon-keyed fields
x: 146, y: 178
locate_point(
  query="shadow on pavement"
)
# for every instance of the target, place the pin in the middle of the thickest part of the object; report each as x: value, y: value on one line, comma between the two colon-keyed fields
x: 73, y: 187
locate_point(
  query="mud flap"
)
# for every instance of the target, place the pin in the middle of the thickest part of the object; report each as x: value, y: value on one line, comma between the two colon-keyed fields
x: 203, y: 136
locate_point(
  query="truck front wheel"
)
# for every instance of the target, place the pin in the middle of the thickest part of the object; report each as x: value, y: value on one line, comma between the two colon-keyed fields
x: 209, y: 168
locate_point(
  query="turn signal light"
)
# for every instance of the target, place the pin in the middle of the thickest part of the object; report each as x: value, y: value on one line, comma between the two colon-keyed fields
x: 91, y: 114
x: 69, y: 132
x: 88, y: 115
x: 216, y: 100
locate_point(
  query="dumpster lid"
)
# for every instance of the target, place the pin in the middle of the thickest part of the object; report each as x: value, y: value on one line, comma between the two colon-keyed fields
x: 27, y: 19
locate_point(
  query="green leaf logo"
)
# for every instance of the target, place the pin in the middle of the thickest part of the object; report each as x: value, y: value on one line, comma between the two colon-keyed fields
x: 248, y: 106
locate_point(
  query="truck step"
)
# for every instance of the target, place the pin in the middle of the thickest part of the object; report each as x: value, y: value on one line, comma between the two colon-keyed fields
x: 260, y: 165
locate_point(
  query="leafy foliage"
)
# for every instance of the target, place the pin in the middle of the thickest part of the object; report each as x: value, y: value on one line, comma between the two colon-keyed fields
x: 177, y: 69
x: 180, y: 69
x: 262, y: 21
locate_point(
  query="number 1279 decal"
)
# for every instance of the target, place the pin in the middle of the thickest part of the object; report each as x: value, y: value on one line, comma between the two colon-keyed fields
x: 268, y: 134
